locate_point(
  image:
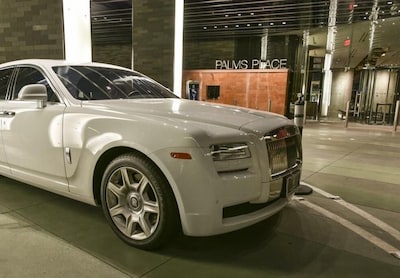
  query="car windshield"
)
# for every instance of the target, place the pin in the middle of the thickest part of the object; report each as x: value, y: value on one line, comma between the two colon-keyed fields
x: 96, y: 83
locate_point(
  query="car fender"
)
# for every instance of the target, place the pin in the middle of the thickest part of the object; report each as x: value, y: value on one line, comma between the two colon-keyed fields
x: 87, y: 137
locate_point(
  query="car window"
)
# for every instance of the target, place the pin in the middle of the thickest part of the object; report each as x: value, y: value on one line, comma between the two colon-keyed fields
x: 28, y: 75
x: 95, y: 83
x: 5, y: 76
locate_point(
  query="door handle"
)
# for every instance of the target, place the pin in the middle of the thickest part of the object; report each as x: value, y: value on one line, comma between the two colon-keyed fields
x: 7, y: 113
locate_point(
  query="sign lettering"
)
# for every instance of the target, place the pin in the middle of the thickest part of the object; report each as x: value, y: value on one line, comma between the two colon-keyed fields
x: 253, y: 64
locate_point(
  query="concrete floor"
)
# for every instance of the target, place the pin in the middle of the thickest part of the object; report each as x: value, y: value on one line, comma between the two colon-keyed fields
x: 45, y: 235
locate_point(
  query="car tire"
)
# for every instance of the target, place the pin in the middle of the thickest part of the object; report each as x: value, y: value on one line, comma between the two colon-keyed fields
x: 138, y: 202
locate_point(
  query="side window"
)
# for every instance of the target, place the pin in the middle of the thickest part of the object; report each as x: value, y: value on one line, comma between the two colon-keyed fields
x: 28, y: 76
x: 5, y: 76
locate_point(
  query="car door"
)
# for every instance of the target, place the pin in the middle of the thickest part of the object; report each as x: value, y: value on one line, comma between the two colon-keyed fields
x: 5, y: 80
x: 32, y: 136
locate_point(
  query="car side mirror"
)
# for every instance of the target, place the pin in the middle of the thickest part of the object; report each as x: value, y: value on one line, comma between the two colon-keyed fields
x: 34, y: 92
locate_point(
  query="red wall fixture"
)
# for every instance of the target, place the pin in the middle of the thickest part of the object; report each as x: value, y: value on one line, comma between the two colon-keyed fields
x: 257, y: 89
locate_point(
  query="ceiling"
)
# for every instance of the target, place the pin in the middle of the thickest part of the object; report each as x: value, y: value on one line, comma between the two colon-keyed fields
x: 210, y: 19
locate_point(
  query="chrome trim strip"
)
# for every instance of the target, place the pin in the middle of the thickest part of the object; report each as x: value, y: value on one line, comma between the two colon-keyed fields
x: 228, y: 150
x: 287, y: 171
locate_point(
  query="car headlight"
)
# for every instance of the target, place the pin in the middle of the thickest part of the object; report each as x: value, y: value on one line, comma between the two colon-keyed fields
x: 229, y: 151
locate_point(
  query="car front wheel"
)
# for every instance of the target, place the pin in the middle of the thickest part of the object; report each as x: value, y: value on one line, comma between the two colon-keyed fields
x: 138, y: 202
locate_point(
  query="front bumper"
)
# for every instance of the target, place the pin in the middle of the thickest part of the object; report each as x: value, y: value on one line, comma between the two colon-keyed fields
x: 212, y: 203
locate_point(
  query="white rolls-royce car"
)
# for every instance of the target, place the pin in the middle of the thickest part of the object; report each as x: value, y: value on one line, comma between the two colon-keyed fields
x: 155, y: 163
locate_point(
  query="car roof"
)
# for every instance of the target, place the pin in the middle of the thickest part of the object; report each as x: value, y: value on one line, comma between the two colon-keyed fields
x: 54, y: 62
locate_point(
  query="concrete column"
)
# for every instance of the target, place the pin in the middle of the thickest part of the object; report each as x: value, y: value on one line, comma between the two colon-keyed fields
x: 77, y: 30
x: 330, y: 48
x: 178, y: 47
x: 305, y: 70
x: 372, y: 29
x: 264, y: 49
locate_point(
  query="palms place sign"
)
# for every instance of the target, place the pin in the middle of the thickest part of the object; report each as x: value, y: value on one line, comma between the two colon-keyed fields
x: 250, y: 64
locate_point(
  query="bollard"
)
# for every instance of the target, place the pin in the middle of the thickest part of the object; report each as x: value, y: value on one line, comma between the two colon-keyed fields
x: 302, y: 189
x: 299, y: 112
x: 346, y: 121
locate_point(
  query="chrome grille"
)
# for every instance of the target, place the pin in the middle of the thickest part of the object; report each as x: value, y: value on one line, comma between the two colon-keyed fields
x: 284, y: 149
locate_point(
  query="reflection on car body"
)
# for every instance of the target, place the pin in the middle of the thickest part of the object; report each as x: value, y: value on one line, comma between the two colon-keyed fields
x: 155, y: 163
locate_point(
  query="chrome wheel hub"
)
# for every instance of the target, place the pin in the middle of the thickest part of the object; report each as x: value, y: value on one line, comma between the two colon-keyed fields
x: 132, y: 203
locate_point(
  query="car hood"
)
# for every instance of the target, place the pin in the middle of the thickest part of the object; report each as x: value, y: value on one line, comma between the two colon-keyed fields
x: 189, y: 111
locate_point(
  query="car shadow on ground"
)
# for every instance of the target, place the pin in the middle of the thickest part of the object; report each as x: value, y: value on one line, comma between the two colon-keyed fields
x: 221, y: 246
x: 261, y: 247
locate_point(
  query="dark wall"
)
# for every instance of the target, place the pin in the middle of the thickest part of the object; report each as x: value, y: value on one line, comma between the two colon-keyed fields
x: 153, y: 39
x: 120, y: 55
x: 284, y: 47
x: 248, y: 48
x: 31, y: 29
x: 201, y: 54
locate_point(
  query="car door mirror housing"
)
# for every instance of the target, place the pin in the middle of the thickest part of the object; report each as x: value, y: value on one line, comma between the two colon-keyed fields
x: 34, y: 92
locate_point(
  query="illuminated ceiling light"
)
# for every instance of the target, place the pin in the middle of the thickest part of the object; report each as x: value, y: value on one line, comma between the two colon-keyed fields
x: 237, y: 25
x: 284, y: 22
x: 389, y: 2
x: 248, y: 25
x: 205, y: 28
x: 259, y: 24
x: 226, y: 26
x: 239, y: 14
x: 271, y: 24
x: 215, y: 27
x: 251, y: 13
x: 227, y: 15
